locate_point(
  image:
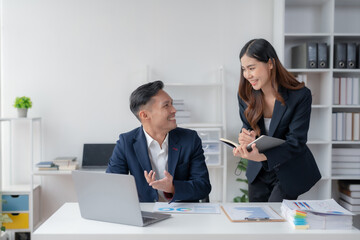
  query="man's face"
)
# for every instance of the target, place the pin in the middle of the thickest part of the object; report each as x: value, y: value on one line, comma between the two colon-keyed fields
x: 161, y: 112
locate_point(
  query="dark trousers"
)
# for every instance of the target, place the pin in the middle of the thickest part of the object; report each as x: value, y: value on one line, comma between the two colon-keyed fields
x: 266, y: 188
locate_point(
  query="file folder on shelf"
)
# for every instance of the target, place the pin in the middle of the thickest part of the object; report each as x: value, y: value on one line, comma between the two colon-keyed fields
x: 304, y: 56
x: 351, y: 55
x: 340, y: 55
x: 322, y: 54
x: 358, y: 54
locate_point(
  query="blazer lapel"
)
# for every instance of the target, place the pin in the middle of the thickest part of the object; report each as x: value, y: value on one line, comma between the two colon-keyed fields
x: 174, y: 152
x: 141, y: 150
x: 278, y: 112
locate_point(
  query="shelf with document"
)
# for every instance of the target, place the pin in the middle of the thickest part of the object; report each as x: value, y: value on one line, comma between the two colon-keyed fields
x: 59, y: 166
x: 317, y: 80
x: 50, y: 173
x: 325, y: 22
x: 309, y: 46
x: 21, y: 144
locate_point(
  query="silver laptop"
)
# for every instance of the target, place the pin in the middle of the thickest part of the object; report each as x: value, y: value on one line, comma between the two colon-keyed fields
x: 111, y: 198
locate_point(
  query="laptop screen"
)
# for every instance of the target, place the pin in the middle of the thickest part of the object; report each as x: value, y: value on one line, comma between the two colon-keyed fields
x: 97, y: 154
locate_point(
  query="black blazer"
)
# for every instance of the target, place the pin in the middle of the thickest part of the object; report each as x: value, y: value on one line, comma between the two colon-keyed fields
x: 292, y: 161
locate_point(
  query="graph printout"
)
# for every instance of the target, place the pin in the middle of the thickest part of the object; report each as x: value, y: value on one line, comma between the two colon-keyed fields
x: 328, y: 206
x: 186, y: 207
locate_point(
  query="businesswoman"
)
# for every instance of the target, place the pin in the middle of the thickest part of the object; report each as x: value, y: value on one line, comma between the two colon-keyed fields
x: 272, y: 102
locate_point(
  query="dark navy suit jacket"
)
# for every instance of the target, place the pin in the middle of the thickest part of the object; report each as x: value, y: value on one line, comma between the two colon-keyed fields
x: 292, y: 161
x: 186, y: 163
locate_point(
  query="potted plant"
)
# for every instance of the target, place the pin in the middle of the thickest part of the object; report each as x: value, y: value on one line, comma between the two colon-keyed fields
x: 241, y: 167
x: 22, y: 104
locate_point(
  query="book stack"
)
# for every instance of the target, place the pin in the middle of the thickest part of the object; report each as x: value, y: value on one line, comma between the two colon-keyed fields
x: 66, y: 163
x: 346, y: 126
x: 46, y: 166
x: 350, y: 195
x: 346, y: 91
x: 346, y: 161
x: 316, y: 214
x: 182, y: 114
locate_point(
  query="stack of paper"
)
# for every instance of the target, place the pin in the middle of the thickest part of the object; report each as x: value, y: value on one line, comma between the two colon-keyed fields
x: 316, y: 214
x: 296, y: 218
x: 346, y: 161
x: 350, y: 195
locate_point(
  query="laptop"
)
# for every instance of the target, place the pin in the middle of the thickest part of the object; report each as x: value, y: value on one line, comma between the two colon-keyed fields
x: 111, y: 198
x: 96, y: 156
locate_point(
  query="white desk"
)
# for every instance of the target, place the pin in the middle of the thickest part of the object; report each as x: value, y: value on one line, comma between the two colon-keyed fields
x: 66, y: 224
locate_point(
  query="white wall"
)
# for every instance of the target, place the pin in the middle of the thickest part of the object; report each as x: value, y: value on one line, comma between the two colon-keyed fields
x: 79, y: 60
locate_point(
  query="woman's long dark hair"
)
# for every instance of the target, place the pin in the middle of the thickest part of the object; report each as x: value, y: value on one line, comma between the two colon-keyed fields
x: 263, y: 51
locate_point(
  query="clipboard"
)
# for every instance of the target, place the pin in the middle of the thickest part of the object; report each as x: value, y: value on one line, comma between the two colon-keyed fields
x: 246, y: 213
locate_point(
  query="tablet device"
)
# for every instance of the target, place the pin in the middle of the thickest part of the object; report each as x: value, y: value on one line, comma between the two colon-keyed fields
x: 265, y: 142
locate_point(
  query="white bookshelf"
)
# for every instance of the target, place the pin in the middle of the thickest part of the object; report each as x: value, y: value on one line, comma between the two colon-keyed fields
x: 330, y: 21
x: 21, y: 145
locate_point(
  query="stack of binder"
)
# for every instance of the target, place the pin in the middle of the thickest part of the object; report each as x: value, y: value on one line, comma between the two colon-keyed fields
x: 316, y: 214
x: 310, y: 55
x: 350, y: 195
x: 345, y: 55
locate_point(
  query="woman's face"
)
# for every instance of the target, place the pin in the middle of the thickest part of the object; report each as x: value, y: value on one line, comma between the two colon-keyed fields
x: 256, y: 72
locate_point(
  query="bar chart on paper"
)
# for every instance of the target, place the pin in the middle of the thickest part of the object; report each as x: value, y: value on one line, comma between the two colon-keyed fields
x: 186, y: 207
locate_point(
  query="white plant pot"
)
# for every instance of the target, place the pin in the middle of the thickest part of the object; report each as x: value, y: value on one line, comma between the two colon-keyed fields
x: 22, y: 112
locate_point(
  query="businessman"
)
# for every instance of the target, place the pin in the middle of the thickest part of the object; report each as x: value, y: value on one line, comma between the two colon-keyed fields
x: 167, y: 162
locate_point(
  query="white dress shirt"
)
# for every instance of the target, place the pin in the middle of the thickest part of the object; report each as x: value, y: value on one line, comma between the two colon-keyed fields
x: 158, y: 158
x: 267, y: 122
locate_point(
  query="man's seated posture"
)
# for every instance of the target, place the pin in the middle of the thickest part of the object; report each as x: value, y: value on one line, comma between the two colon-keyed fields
x: 167, y: 162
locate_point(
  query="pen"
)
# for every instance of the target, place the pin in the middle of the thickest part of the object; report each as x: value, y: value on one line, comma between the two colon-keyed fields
x: 257, y: 219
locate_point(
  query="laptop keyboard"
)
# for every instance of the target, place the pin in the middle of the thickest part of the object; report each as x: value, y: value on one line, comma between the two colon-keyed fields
x: 147, y: 220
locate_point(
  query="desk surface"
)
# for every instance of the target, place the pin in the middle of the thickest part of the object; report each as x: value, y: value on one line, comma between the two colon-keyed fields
x: 67, y: 223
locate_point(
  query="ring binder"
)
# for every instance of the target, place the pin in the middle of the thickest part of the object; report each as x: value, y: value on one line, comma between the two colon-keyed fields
x: 322, y: 55
x: 304, y: 56
x: 351, y: 55
x: 340, y: 55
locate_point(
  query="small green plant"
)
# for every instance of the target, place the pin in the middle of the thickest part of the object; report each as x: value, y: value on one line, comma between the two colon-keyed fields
x: 241, y: 167
x: 23, y: 102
